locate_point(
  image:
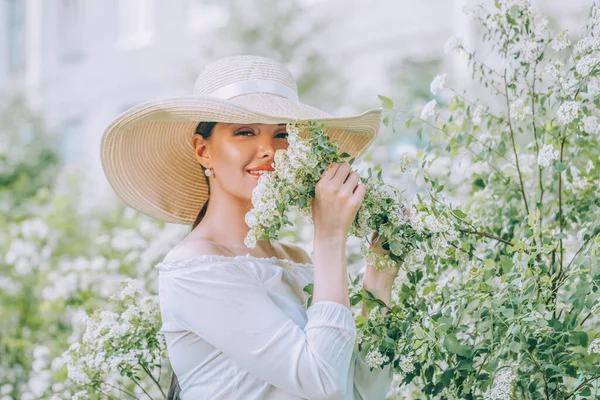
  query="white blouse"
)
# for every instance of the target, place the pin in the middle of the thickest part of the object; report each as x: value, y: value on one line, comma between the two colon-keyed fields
x: 237, y: 328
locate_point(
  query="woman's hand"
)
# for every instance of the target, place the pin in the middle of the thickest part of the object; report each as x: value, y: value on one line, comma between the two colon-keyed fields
x: 386, y: 274
x: 338, y: 196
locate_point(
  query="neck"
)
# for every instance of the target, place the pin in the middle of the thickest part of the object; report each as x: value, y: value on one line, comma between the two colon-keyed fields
x: 224, y: 221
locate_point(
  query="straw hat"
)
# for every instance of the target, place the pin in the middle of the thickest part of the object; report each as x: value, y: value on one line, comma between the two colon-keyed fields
x: 147, y: 153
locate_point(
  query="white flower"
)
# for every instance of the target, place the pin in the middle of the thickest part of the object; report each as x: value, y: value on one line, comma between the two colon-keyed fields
x: 552, y: 70
x: 529, y: 50
x: 428, y: 109
x: 503, y: 385
x: 474, y: 8
x: 404, y: 163
x: 437, y: 83
x: 590, y: 124
x: 585, y: 65
x: 567, y: 112
x: 519, y: 110
x: 374, y: 358
x: 250, y: 241
x: 561, y: 42
x: 594, y: 347
x: 540, y: 27
x: 546, y: 155
x: 407, y: 364
x: 588, y: 167
x: 454, y: 43
x: 132, y: 288
x: 477, y: 114
x: 375, y: 315
x: 578, y: 182
x: 586, y: 45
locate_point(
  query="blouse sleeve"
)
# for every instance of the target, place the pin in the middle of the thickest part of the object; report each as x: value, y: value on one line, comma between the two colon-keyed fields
x: 227, y: 305
x: 371, y: 384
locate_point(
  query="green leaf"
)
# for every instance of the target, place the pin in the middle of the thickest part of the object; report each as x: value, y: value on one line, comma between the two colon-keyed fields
x: 459, y: 213
x: 579, y: 338
x: 515, y: 347
x: 558, y: 166
x: 386, y: 102
x: 453, y: 346
x: 447, y: 377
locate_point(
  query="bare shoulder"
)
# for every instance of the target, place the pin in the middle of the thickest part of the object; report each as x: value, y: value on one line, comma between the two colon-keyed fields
x: 295, y: 252
x: 187, y: 249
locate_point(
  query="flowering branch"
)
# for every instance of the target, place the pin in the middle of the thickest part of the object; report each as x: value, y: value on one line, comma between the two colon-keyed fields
x: 292, y: 184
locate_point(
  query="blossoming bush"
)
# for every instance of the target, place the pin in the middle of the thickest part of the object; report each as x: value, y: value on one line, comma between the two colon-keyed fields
x: 513, y: 309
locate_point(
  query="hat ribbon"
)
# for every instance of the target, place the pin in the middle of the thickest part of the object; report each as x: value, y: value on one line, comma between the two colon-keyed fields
x: 254, y: 86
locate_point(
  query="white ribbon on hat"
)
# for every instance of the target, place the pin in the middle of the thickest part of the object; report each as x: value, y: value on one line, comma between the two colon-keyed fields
x: 254, y: 86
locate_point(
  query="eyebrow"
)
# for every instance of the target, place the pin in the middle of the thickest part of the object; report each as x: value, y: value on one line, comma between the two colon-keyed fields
x: 233, y: 123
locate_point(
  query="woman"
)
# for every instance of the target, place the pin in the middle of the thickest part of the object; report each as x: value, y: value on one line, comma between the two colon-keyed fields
x: 235, y: 321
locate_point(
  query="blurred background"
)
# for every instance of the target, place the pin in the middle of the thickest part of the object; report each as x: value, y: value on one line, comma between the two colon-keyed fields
x: 77, y: 64
x: 69, y: 67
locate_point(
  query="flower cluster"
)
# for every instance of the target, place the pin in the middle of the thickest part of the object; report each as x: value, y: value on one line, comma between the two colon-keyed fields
x: 503, y: 385
x: 124, y: 342
x: 293, y: 181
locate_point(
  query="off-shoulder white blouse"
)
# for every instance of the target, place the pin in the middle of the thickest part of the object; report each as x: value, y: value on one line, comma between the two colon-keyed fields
x: 237, y: 328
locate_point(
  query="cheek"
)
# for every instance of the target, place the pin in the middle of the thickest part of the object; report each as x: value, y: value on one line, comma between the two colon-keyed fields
x: 234, y: 157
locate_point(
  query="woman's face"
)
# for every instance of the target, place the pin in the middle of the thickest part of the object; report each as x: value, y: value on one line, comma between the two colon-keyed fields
x: 232, y: 149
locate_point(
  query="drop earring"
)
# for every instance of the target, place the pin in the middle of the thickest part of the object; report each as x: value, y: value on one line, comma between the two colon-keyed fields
x: 208, y: 172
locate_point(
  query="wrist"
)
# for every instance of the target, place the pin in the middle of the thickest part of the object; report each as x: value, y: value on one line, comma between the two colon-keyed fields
x: 373, y: 278
x: 329, y: 238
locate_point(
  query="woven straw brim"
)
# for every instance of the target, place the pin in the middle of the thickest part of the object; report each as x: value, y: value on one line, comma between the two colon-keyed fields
x: 147, y: 152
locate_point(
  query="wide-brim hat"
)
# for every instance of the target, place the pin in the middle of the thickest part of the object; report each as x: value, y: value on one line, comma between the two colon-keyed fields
x: 147, y: 151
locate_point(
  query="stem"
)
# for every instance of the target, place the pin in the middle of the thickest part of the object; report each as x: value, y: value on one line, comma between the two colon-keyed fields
x: 121, y: 390
x: 583, y: 384
x: 542, y: 372
x: 560, y: 214
x: 463, y: 250
x: 537, y: 145
x: 580, y: 249
x: 512, y: 137
x: 483, y: 363
x: 152, y: 377
x: 488, y: 235
x: 585, y: 319
x: 143, y: 390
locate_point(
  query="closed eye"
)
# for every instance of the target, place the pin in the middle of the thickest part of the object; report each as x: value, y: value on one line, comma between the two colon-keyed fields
x: 242, y: 133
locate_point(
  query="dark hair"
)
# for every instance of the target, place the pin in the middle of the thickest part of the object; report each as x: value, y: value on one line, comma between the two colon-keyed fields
x: 204, y: 129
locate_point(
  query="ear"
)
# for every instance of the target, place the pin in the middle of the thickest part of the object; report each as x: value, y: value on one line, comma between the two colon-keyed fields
x: 201, y: 150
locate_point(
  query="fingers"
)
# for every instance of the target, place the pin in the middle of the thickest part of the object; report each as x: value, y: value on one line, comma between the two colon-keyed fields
x: 341, y: 174
x: 359, y: 194
x: 349, y: 186
x: 330, y: 171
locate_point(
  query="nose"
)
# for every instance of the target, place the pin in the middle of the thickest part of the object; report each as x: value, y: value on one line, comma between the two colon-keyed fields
x: 266, y: 147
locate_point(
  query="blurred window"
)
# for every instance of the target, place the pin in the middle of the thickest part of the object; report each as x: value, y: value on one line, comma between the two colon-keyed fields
x: 205, y: 15
x: 71, y: 29
x: 15, y: 24
x: 135, y: 23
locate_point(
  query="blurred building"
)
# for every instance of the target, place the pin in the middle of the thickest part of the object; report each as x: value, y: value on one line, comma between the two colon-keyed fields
x: 82, y: 62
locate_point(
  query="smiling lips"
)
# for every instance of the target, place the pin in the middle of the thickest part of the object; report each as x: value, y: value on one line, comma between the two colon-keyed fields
x: 259, y: 170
